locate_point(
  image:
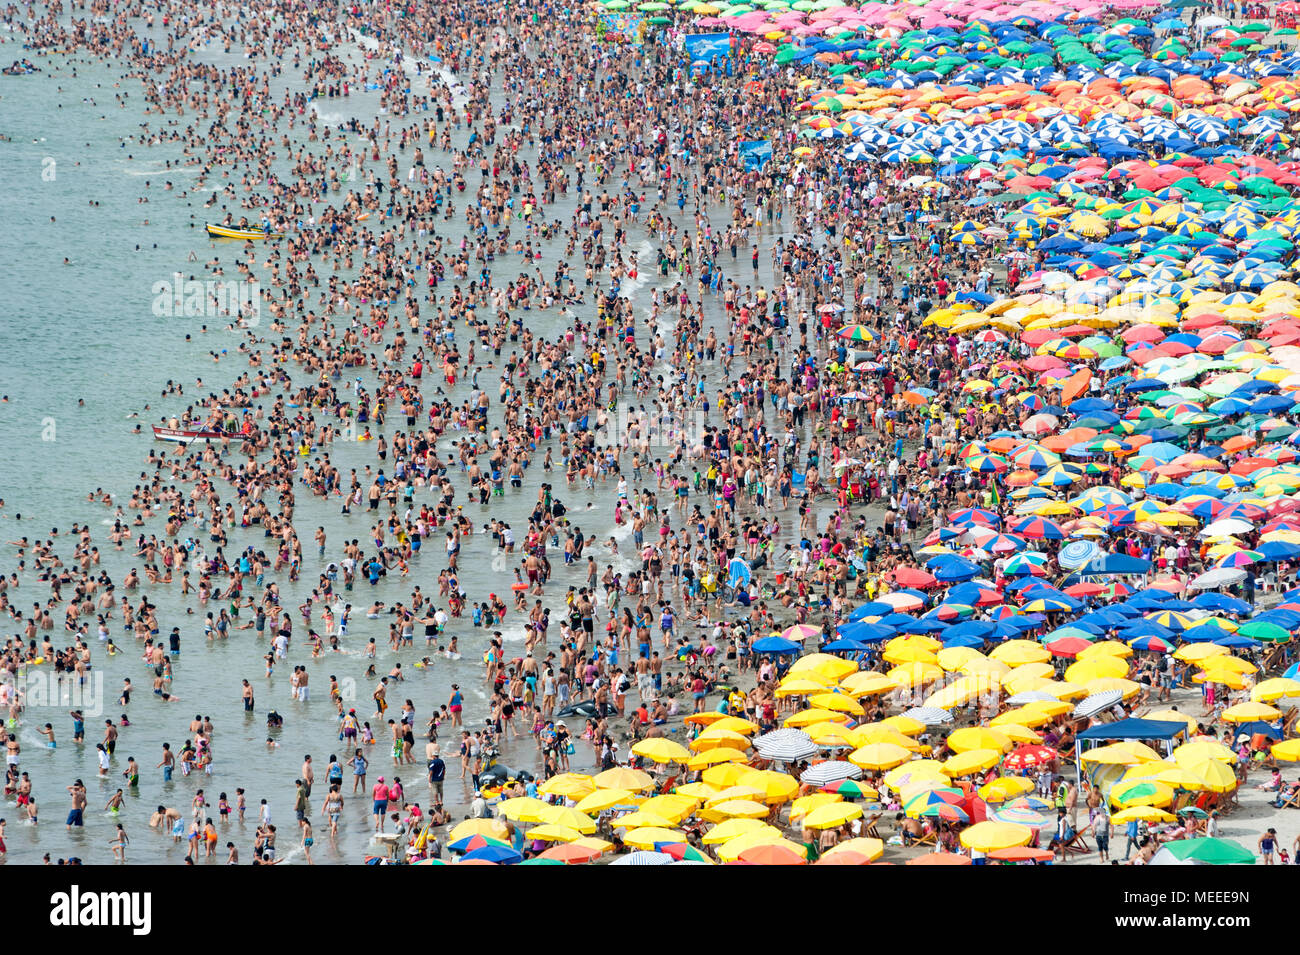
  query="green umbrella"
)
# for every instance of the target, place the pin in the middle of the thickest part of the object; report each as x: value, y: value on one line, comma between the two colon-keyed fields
x: 1263, y: 630
x: 1209, y: 850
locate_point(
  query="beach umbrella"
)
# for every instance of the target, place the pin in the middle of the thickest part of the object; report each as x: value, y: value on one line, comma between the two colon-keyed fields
x: 493, y: 829
x: 621, y: 777
x: 660, y: 750
x: 644, y: 857
x: 990, y: 836
x: 1208, y: 850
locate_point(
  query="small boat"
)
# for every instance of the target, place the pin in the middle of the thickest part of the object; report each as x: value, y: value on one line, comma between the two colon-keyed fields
x: 187, y: 434
x: 248, y: 235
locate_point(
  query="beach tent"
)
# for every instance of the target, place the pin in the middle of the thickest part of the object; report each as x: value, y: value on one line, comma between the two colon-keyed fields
x: 1165, y: 731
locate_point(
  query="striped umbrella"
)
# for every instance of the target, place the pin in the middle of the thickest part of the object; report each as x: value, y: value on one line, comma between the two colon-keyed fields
x: 644, y: 857
x: 830, y: 772
x: 786, y: 745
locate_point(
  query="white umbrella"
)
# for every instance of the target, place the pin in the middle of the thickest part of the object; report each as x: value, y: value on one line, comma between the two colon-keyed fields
x: 1217, y: 577
x: 830, y: 772
x: 1227, y: 528
x: 929, y: 715
x: 1031, y: 696
x: 1091, y: 705
x: 642, y: 857
x: 786, y: 745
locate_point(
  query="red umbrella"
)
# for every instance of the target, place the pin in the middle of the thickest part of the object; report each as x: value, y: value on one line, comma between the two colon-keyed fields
x: 1067, y: 646
x: 914, y: 577
x: 1022, y: 854
x: 1085, y: 590
x: 1031, y: 755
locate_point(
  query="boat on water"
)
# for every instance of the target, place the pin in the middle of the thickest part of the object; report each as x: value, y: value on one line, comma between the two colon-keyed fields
x: 188, y: 434
x: 248, y: 235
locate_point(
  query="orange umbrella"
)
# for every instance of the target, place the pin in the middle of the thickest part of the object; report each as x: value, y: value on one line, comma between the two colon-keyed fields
x: 771, y: 854
x: 940, y: 858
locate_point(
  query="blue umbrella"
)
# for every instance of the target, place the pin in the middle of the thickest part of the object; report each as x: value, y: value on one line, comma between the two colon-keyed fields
x: 498, y: 854
x: 776, y: 645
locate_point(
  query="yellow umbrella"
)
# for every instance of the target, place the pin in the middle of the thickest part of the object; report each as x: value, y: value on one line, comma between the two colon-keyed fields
x: 815, y: 715
x: 726, y: 774
x: 1213, y: 774
x: 1024, y: 672
x: 1019, y: 734
x: 570, y: 818
x: 1195, y: 652
x: 1006, y: 787
x: 1229, y: 678
x: 715, y: 738
x: 832, y: 668
x: 978, y: 737
x: 915, y: 770
x: 1108, y: 648
x: 1287, y: 750
x: 730, y: 850
x: 491, y: 828
x: 837, y: 702
x: 904, y: 724
x: 1199, y: 749
x: 523, y: 809
x: 1123, y: 753
x: 736, y: 808
x: 778, y: 786
x: 674, y: 807
x: 834, y: 735
x: 1096, y: 669
x: 961, y: 692
x: 953, y: 658
x: 1018, y: 652
x: 1235, y: 664
x: 806, y: 804
x: 639, y: 819
x: 647, y: 837
x: 734, y: 828
x: 661, y: 750
x: 553, y: 833
x: 883, y: 733
x: 620, y: 777
x: 879, y: 756
x: 971, y: 761
x: 572, y: 785
x: 1023, y: 716
x: 735, y: 724
x: 909, y: 653
x: 697, y: 790
x: 1143, y: 814
x: 873, y: 849
x: 1268, y: 690
x: 1247, y: 712
x: 915, y: 674
x: 799, y: 686
x: 735, y: 792
x: 711, y: 757
x: 991, y: 836
x: 832, y: 816
x: 867, y: 683
x: 603, y: 799
x: 1127, y: 688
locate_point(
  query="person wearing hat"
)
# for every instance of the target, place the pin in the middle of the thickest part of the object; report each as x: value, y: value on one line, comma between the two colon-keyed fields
x: 380, y: 796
